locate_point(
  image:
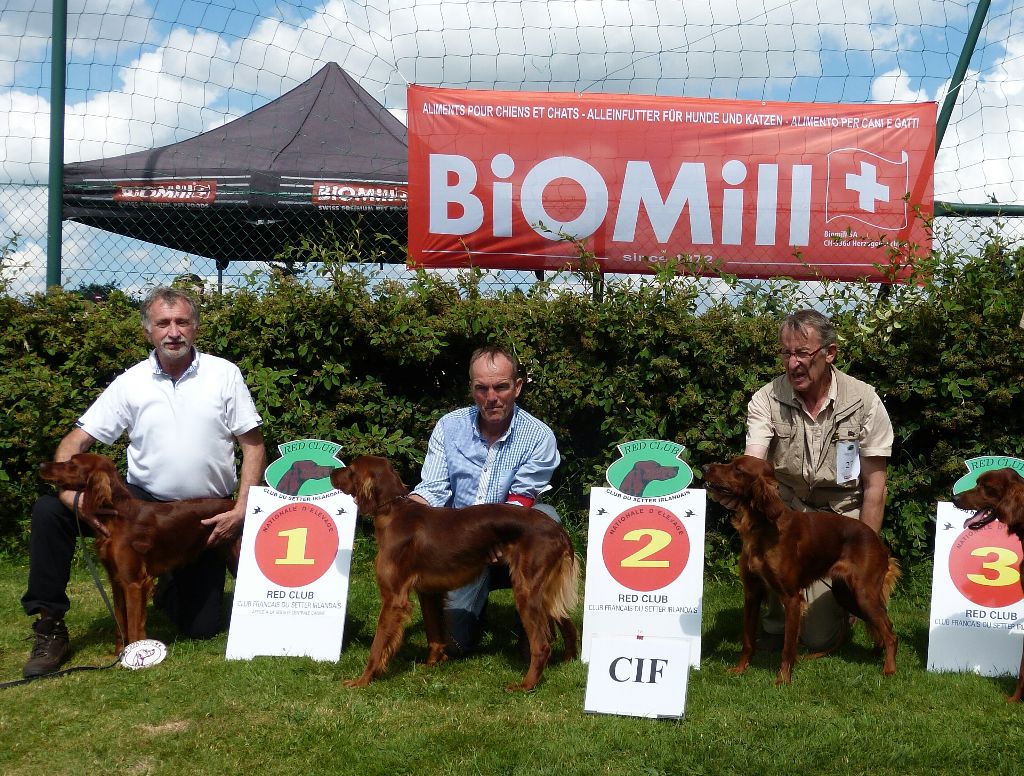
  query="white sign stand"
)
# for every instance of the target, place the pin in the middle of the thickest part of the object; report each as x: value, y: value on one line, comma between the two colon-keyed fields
x: 638, y: 677
x: 292, y: 587
x: 977, y: 612
x: 645, y: 568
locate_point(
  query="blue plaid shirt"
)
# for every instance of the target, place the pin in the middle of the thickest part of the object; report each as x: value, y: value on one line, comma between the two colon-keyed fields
x: 460, y: 469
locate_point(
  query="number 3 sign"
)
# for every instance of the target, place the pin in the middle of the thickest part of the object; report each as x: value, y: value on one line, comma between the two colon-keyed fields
x: 977, y: 612
x: 645, y: 567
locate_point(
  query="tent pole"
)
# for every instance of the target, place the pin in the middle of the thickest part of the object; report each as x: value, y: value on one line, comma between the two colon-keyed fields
x: 55, y: 202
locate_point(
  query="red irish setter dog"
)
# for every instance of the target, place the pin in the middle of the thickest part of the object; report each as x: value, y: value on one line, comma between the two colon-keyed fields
x: 998, y: 495
x: 145, y: 538
x: 787, y: 550
x: 433, y: 550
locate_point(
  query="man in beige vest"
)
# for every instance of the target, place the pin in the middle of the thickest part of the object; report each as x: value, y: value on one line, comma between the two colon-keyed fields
x: 829, y: 437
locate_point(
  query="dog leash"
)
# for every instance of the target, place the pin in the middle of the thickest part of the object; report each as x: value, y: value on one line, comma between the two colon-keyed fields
x: 103, y: 594
x: 92, y: 570
x: 61, y: 672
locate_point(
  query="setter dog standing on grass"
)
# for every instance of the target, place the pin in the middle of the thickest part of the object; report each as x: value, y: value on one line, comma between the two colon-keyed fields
x: 998, y: 495
x: 136, y: 540
x: 433, y: 550
x: 786, y: 550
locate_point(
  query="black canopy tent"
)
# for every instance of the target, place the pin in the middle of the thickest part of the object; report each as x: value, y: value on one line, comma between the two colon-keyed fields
x: 325, y: 154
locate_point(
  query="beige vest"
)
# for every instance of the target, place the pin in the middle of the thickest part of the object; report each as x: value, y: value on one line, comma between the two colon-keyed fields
x: 787, y: 450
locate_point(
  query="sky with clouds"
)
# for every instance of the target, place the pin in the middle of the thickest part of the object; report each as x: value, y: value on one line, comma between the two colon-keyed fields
x: 145, y: 73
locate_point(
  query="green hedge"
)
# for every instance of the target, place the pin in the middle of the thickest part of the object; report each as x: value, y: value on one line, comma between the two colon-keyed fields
x: 373, y: 364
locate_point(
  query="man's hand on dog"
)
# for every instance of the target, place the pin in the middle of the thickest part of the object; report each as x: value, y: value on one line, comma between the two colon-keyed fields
x: 226, y: 526
x: 67, y: 498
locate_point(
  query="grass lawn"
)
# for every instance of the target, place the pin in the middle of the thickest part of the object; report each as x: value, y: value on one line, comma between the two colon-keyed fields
x: 198, y: 714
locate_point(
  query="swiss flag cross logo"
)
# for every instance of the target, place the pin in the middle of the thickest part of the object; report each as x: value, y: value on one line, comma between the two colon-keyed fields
x: 866, y: 187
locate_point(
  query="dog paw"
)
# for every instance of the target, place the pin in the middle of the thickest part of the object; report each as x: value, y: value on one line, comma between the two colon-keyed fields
x: 521, y: 687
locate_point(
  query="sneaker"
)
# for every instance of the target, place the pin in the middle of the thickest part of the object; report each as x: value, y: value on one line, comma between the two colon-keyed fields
x: 51, y: 648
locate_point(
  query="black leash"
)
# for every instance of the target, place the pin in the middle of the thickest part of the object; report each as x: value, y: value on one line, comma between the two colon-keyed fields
x: 61, y: 672
x: 103, y: 594
x: 92, y: 570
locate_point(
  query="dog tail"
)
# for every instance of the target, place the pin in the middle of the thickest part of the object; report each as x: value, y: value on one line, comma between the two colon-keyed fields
x: 890, y: 578
x: 562, y: 587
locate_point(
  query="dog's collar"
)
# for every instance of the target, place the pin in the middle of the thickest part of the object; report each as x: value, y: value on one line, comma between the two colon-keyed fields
x: 390, y: 501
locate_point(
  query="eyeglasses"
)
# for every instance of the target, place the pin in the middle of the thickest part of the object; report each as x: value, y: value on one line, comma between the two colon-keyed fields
x: 803, y: 356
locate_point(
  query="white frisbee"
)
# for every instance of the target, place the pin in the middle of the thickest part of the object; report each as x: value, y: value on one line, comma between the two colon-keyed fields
x: 143, y: 654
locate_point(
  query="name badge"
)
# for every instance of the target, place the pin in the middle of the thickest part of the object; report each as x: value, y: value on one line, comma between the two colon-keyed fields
x: 847, y: 462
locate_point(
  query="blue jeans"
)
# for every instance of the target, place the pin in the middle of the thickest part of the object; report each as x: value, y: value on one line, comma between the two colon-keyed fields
x: 465, y: 606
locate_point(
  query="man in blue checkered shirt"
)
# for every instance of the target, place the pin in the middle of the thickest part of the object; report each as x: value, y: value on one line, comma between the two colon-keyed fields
x: 492, y: 452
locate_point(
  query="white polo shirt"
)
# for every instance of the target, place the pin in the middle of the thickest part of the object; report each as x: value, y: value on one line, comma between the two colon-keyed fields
x: 181, y: 434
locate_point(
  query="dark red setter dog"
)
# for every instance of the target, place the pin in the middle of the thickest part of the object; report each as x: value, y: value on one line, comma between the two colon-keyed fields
x: 434, y: 550
x: 144, y: 538
x: 299, y: 473
x: 787, y: 550
x: 998, y: 495
x: 643, y: 474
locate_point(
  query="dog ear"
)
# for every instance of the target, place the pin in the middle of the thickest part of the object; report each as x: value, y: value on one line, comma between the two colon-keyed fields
x: 1011, y: 505
x: 766, y: 499
x: 367, y: 497
x: 99, y: 491
x: 339, y: 478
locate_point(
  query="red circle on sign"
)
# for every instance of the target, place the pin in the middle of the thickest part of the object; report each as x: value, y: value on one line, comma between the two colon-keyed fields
x: 645, y: 548
x: 985, y: 566
x: 296, y: 545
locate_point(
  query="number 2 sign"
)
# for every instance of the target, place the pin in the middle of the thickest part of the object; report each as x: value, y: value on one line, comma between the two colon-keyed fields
x: 645, y: 567
x: 645, y: 548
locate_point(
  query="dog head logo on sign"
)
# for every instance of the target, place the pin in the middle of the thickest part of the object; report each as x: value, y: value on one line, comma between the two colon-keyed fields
x: 304, y: 468
x: 650, y: 468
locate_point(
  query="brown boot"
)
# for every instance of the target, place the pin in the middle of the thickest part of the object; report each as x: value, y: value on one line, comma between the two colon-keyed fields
x: 51, y: 647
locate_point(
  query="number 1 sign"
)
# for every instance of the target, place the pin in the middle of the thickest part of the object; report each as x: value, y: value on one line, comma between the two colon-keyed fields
x: 292, y: 585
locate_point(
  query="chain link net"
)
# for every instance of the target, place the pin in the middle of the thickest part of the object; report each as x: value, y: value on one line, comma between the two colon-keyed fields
x: 139, y: 79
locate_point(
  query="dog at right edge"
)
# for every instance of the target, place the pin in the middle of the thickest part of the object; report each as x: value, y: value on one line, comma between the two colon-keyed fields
x: 998, y: 495
x: 786, y: 550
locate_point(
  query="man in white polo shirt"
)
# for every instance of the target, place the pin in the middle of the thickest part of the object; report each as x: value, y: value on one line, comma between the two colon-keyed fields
x: 184, y: 411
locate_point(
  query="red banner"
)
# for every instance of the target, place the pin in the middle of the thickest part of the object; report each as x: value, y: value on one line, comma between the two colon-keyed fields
x: 514, y: 180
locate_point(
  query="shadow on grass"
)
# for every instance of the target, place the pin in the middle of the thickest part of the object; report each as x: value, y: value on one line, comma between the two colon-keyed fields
x: 722, y: 640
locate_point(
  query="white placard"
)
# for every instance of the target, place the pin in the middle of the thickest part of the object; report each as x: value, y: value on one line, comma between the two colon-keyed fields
x: 292, y: 587
x: 977, y: 613
x: 638, y: 677
x: 645, y: 567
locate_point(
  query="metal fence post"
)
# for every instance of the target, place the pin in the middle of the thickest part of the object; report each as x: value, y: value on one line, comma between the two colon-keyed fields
x: 55, y: 209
